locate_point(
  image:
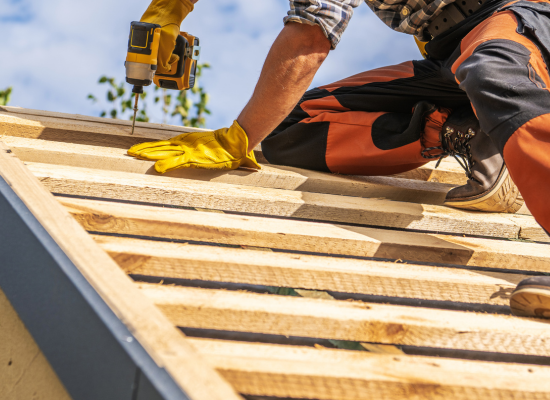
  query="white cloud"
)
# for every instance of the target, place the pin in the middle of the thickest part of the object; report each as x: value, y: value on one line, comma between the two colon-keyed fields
x: 54, y: 51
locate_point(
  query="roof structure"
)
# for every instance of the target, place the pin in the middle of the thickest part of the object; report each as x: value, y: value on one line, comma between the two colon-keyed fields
x: 272, y: 284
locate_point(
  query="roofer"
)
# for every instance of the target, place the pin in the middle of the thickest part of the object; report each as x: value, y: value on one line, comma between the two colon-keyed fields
x: 484, y: 58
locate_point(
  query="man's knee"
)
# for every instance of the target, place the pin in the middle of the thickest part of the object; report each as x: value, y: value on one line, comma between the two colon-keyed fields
x: 301, y: 145
x: 503, y: 88
x: 494, y: 65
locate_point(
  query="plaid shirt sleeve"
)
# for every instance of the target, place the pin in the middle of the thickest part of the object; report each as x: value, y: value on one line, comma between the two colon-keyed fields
x: 331, y: 15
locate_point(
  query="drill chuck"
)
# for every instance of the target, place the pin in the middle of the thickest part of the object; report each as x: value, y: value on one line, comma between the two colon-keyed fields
x: 139, y: 74
x: 137, y: 89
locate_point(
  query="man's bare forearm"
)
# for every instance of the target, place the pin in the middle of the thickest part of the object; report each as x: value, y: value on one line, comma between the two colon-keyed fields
x: 290, y: 66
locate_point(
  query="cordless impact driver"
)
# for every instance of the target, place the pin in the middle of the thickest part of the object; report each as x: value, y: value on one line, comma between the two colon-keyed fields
x: 141, y: 61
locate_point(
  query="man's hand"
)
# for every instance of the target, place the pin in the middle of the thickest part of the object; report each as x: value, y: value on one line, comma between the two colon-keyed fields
x: 169, y: 14
x: 222, y: 149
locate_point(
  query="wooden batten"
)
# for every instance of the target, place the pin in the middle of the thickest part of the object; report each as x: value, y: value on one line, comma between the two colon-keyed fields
x: 70, y: 128
x: 137, y: 220
x: 271, y: 176
x: 301, y: 372
x: 353, y: 321
x: 206, y: 263
x: 276, y: 202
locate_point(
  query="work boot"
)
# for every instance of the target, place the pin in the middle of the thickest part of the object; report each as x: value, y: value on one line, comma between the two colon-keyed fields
x: 532, y: 298
x: 489, y: 186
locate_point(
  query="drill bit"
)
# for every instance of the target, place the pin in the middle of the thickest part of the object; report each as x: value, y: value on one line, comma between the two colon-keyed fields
x: 135, y: 112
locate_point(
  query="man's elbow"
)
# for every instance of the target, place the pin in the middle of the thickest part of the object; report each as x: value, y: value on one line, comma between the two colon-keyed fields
x: 308, y: 40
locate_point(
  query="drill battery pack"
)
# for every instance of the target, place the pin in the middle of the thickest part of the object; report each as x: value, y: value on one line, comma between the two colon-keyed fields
x: 188, y: 49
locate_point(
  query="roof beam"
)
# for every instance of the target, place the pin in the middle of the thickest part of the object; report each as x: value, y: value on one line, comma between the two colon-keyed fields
x: 73, y: 298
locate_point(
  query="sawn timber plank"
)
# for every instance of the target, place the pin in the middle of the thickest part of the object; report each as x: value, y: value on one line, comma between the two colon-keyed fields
x: 207, y: 263
x: 330, y: 374
x: 148, y: 127
x: 530, y: 229
x: 79, y: 129
x: 271, y: 176
x: 346, y: 320
x: 71, y: 128
x: 156, y: 334
x: 137, y: 220
x: 276, y: 202
x: 449, y: 171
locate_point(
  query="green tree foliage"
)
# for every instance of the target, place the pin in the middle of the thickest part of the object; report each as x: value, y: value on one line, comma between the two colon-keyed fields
x: 5, y: 96
x: 195, y: 98
x: 119, y: 102
x: 189, y: 105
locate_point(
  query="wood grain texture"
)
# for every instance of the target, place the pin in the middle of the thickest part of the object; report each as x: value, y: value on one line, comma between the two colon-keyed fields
x: 276, y: 202
x: 142, y: 126
x: 328, y: 374
x: 27, y: 112
x: 24, y: 370
x: 165, y: 344
x: 275, y: 177
x: 77, y: 129
x: 69, y: 128
x: 271, y: 176
x: 530, y: 229
x: 110, y: 217
x: 349, y: 320
x: 174, y: 260
x: 80, y: 129
x: 449, y: 171
x: 78, y: 142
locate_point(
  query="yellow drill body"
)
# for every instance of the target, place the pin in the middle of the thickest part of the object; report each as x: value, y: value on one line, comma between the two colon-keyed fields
x: 141, y: 61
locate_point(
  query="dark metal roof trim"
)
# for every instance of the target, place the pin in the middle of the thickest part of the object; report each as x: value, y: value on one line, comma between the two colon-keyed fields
x: 91, y: 350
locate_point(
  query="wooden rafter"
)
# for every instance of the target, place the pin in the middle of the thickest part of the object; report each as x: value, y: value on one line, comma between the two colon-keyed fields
x: 167, y: 347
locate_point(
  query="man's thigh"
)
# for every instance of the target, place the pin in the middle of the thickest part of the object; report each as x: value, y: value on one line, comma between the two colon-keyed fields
x: 364, y: 124
x: 395, y: 88
x: 504, y: 75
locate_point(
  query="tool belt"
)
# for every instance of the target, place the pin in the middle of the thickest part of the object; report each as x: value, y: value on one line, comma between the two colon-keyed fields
x: 453, y: 14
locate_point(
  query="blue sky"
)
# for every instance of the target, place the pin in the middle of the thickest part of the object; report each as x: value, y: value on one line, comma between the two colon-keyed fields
x: 54, y: 51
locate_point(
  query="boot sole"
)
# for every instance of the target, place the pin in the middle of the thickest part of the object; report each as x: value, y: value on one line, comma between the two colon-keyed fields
x: 503, y: 197
x: 531, y: 301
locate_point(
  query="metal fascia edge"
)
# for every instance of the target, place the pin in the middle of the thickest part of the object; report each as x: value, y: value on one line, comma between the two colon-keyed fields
x: 91, y: 350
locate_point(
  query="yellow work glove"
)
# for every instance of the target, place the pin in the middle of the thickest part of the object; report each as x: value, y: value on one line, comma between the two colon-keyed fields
x: 225, y: 148
x: 169, y: 14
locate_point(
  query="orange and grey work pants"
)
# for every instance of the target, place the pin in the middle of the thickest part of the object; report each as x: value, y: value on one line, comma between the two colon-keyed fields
x: 365, y: 124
